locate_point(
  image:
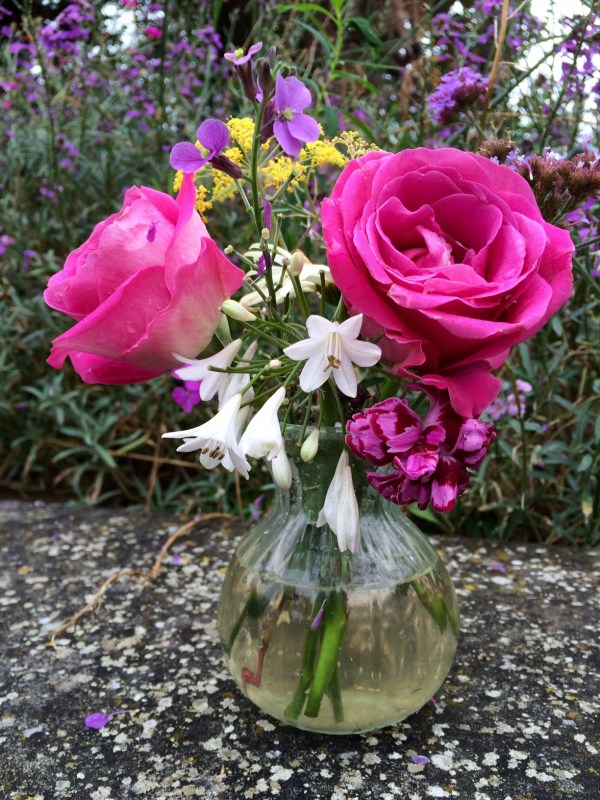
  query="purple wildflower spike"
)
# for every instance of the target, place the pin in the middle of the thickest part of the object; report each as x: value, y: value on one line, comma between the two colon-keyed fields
x: 292, y: 127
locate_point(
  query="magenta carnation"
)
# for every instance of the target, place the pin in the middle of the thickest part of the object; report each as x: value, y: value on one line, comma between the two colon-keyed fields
x: 430, y: 456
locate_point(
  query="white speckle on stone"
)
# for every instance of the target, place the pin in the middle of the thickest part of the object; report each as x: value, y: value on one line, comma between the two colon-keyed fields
x: 30, y: 731
x: 579, y: 737
x: 490, y: 759
x: 518, y: 755
x: 148, y: 728
x: 502, y: 727
x: 443, y: 761
x: 437, y: 791
x: 501, y: 580
x: 493, y: 693
x: 281, y: 773
x: 103, y: 793
x: 371, y: 758
x: 265, y: 725
x: 540, y: 776
x: 213, y: 744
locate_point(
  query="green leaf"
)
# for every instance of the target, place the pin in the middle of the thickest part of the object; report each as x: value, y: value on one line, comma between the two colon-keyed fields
x: 307, y: 7
x: 331, y: 122
x: 340, y: 73
x: 363, y: 26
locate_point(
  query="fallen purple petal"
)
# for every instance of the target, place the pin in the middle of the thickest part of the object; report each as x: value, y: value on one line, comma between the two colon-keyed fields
x: 176, y: 559
x: 497, y: 568
x: 318, y: 618
x: 100, y: 719
x: 420, y: 759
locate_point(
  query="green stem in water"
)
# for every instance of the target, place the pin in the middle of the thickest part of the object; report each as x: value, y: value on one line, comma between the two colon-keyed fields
x: 254, y: 608
x: 294, y: 709
x: 334, y: 693
x: 333, y: 633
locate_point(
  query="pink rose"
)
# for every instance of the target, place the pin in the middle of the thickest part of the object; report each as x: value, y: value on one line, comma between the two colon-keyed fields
x: 149, y: 282
x: 448, y: 254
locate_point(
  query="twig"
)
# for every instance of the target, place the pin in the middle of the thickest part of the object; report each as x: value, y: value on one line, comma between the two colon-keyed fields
x: 145, y: 575
x: 155, y: 465
x: 496, y: 61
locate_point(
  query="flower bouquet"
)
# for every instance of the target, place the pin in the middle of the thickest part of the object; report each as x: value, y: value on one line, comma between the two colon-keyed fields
x: 349, y: 339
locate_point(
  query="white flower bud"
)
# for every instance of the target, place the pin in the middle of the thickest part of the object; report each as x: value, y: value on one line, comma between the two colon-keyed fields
x: 264, y: 234
x: 297, y: 262
x: 274, y: 363
x: 310, y: 447
x: 237, y: 311
x: 282, y: 472
x: 228, y: 250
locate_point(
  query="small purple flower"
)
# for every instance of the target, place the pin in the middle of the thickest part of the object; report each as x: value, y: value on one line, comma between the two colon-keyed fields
x: 187, y: 396
x: 256, y: 512
x: 28, y: 257
x: 292, y: 127
x: 238, y: 58
x: 214, y: 137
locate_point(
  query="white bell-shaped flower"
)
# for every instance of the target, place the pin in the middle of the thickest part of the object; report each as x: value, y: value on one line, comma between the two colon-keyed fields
x: 217, y: 439
x: 262, y: 438
x: 340, y: 510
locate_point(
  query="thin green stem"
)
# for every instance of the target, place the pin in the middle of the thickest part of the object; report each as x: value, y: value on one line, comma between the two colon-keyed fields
x: 334, y: 627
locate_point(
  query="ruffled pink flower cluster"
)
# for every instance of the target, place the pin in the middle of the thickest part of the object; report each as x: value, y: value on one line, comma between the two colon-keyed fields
x: 429, y: 456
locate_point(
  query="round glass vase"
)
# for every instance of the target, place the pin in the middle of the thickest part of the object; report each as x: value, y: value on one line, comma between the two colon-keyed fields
x: 329, y: 641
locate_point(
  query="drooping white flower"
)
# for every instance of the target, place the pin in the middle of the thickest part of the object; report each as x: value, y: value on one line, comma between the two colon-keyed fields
x: 262, y: 438
x: 217, y: 439
x: 340, y: 510
x: 199, y: 370
x: 331, y: 349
